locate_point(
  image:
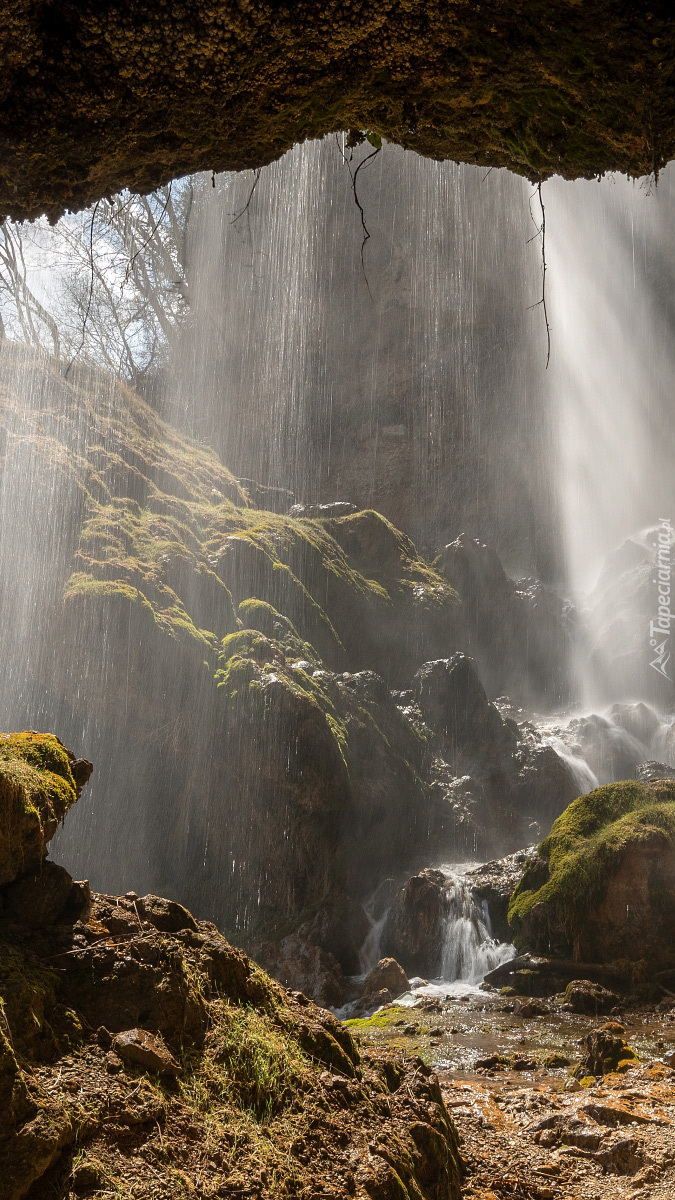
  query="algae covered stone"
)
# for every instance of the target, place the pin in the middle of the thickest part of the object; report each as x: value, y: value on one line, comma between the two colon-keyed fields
x: 602, y: 886
x: 37, y: 787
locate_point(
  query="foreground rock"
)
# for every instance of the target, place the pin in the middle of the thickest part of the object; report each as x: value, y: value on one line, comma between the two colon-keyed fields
x: 602, y: 886
x: 39, y: 780
x: 127, y: 1024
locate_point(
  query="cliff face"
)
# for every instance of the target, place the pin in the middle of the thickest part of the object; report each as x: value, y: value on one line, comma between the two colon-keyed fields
x: 140, y: 1051
x: 229, y: 668
x: 135, y: 94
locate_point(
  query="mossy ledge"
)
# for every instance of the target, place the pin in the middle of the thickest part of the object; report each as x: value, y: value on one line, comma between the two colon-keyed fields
x: 37, y: 787
x: 602, y: 885
x: 101, y: 97
x: 252, y: 1088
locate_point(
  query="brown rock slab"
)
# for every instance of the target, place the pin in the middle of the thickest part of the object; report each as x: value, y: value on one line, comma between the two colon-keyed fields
x: 166, y: 915
x: 145, y: 1049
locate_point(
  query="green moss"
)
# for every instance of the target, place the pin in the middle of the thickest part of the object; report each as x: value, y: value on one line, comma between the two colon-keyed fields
x: 36, y: 790
x: 248, y: 1062
x: 577, y: 858
x: 380, y: 1020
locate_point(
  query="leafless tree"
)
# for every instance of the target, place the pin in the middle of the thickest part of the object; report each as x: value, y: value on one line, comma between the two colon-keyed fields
x: 110, y: 285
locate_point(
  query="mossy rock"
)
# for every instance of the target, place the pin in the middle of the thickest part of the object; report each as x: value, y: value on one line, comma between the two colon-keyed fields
x: 36, y: 790
x: 602, y: 887
x: 261, y: 1067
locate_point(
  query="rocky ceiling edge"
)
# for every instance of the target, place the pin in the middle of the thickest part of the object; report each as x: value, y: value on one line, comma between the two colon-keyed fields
x: 97, y: 96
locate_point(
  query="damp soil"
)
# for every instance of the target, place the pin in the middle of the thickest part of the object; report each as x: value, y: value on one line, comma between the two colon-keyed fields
x: 527, y: 1128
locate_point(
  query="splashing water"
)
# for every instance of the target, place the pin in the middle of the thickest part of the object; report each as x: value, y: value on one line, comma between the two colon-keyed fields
x: 469, y: 948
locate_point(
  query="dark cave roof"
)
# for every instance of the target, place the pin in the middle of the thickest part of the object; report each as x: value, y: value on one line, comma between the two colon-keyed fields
x: 97, y: 96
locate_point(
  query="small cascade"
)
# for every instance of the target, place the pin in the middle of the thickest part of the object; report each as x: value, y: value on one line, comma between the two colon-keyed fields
x: 585, y: 779
x: 607, y: 746
x: 377, y: 909
x: 469, y: 949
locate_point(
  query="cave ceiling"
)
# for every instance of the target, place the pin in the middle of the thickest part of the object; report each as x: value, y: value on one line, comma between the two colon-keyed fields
x: 98, y: 96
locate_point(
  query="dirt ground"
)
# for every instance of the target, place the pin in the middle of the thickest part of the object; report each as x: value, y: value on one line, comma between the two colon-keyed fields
x: 530, y: 1130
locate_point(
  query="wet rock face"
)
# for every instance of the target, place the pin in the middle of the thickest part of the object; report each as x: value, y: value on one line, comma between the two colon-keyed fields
x: 519, y: 633
x: 454, y: 704
x: 88, y: 102
x: 602, y: 887
x: 304, y: 967
x: 414, y: 929
x: 501, y: 785
x: 646, y: 771
x: 495, y: 883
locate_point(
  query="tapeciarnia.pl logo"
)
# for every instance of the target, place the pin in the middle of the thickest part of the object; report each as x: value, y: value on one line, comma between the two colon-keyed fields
x: 659, y: 626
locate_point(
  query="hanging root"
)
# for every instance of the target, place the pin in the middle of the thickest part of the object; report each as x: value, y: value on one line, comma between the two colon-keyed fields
x: 541, y: 232
x: 250, y: 196
x: 354, y: 176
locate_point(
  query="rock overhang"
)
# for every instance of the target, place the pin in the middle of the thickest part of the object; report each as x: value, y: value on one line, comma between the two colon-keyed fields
x: 96, y: 98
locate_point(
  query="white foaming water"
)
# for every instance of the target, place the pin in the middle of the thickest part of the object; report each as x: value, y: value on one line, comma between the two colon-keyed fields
x: 607, y: 746
x: 469, y: 948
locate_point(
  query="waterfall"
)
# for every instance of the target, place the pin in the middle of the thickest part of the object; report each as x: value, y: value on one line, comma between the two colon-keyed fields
x: 406, y: 383
x: 611, y: 277
x: 413, y: 382
x: 469, y: 949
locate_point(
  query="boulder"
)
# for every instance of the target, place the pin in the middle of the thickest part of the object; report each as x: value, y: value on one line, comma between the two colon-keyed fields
x: 495, y: 883
x: 454, y: 704
x: 414, y: 927
x: 646, y: 771
x: 166, y: 915
x: 37, y: 788
x: 606, y: 1051
x: 518, y: 632
x: 583, y: 996
x: 386, y: 974
x: 502, y: 785
x: 42, y: 897
x: 602, y: 886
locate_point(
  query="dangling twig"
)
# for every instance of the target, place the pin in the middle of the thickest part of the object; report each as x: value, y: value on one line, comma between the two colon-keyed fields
x: 541, y: 232
x: 250, y: 197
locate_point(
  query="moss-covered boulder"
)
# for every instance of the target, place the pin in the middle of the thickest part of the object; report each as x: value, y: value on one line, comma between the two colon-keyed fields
x: 37, y: 787
x: 133, y: 94
x: 606, y: 1051
x: 601, y: 887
